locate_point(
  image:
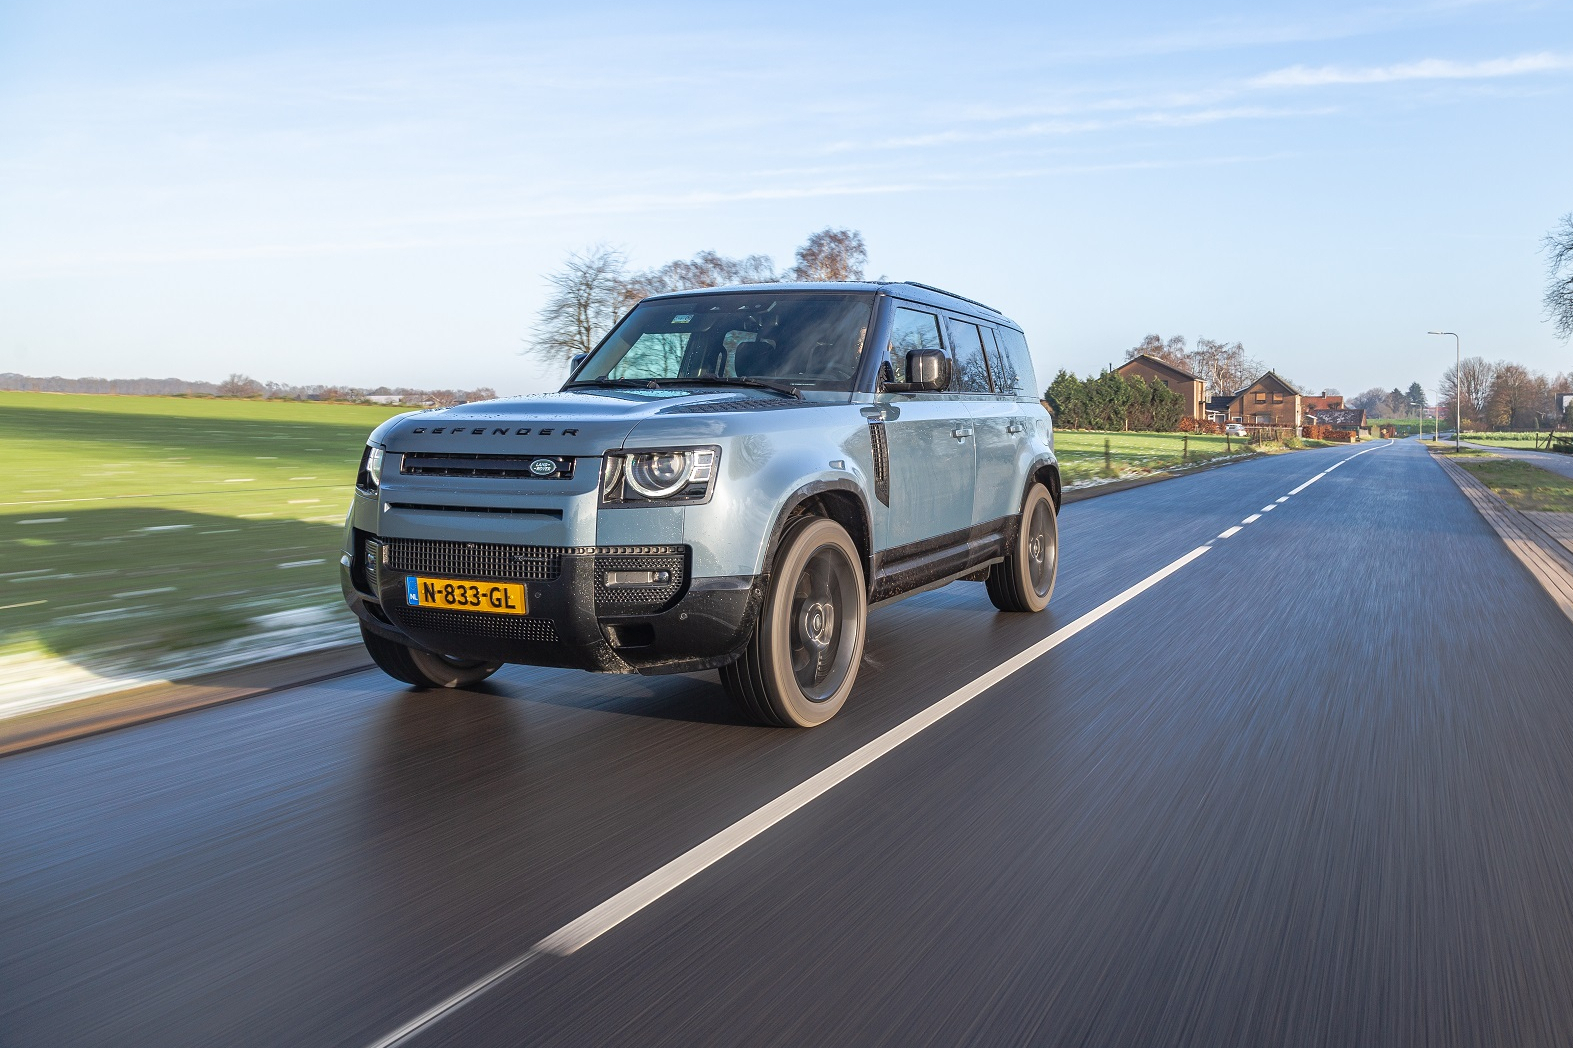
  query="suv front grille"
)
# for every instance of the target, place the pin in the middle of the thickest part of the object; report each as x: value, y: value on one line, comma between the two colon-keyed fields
x: 457, y: 464
x: 480, y: 560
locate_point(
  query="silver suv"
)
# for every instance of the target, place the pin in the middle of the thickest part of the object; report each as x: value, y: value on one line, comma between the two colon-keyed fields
x: 731, y: 480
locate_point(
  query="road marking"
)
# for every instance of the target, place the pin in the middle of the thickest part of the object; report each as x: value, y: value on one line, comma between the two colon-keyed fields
x: 24, y: 604
x: 1313, y: 480
x: 1232, y: 531
x: 1252, y: 519
x: 1268, y: 509
x: 628, y: 902
x: 1284, y: 499
x: 43, y: 520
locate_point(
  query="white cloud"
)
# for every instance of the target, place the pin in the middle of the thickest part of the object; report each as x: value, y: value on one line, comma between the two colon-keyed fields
x: 1425, y: 69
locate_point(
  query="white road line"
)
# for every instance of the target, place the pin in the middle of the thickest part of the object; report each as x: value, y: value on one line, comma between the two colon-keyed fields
x: 1232, y: 531
x: 1268, y: 509
x: 1252, y: 519
x: 597, y: 922
x: 1302, y: 487
x: 1284, y: 499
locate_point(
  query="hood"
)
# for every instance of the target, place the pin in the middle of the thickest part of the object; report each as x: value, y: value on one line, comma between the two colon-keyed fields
x: 578, y: 422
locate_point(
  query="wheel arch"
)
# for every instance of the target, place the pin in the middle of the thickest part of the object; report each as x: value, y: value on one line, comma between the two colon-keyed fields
x: 1045, y: 471
x: 838, y: 500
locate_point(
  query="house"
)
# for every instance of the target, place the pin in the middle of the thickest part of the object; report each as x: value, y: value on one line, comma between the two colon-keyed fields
x: 1342, y: 420
x: 1188, y: 386
x: 1324, y: 402
x: 1269, y: 401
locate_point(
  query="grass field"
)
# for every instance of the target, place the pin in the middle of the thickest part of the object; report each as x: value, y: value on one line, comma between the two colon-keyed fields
x: 1526, y: 441
x: 1081, y: 452
x: 136, y: 526
x: 1521, y: 485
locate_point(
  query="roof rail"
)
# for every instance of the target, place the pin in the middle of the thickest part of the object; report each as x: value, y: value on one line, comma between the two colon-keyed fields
x: 952, y: 294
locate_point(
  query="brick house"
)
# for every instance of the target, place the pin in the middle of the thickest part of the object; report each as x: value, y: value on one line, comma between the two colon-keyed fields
x: 1187, y: 385
x: 1348, y: 420
x: 1325, y: 402
x: 1269, y: 401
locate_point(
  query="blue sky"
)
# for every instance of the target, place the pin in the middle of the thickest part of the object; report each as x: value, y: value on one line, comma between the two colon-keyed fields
x: 370, y: 193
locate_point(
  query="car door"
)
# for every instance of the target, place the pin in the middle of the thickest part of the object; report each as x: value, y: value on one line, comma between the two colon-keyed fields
x: 930, y: 447
x: 996, y: 424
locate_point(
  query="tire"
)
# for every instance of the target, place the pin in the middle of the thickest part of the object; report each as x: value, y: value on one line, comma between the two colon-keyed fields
x: 424, y: 669
x: 1024, y: 580
x: 799, y: 664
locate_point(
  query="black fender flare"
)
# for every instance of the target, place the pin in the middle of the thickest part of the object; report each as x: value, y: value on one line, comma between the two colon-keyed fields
x: 808, y: 491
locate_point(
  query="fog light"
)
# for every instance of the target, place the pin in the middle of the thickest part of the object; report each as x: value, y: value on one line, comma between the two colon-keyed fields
x: 369, y: 563
x: 638, y: 578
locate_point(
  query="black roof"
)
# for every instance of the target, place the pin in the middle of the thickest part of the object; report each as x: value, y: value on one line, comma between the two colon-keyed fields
x: 910, y: 290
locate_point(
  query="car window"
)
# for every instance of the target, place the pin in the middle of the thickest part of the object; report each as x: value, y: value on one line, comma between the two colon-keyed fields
x: 1014, y: 375
x: 653, y: 355
x: 971, y: 373
x: 809, y: 339
x: 910, y: 330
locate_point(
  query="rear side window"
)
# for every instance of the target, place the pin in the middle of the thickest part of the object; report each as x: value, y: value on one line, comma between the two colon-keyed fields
x: 1013, y: 373
x: 911, y: 330
x: 971, y: 373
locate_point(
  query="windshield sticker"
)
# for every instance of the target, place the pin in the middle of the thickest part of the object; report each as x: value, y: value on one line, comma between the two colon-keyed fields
x: 682, y: 318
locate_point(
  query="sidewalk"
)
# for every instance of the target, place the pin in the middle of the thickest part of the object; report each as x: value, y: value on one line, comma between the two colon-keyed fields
x: 1544, y: 546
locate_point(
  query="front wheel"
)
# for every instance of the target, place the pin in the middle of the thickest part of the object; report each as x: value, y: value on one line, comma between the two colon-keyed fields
x: 424, y: 669
x: 802, y: 657
x: 1024, y: 580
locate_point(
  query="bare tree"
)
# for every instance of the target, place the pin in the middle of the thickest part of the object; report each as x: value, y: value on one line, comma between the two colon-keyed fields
x: 1472, y: 377
x: 1171, y: 352
x: 238, y: 385
x: 1559, y: 277
x: 831, y: 254
x: 588, y: 294
x: 706, y: 269
x: 1223, y: 367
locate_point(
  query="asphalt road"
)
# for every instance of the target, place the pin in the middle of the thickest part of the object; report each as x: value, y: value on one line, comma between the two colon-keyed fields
x: 1315, y: 787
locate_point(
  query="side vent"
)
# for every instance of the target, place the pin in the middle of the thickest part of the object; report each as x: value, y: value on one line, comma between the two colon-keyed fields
x: 876, y: 436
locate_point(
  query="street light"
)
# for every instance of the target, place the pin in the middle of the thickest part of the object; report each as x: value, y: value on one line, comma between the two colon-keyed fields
x: 1458, y: 386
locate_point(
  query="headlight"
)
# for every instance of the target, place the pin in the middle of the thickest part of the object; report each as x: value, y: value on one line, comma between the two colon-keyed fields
x: 370, y: 476
x: 681, y: 475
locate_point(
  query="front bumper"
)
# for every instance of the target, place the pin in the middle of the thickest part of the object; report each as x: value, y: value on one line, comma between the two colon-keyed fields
x: 575, y: 620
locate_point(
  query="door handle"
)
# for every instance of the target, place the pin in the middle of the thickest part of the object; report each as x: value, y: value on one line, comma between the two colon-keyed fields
x: 1015, y: 426
x: 961, y: 432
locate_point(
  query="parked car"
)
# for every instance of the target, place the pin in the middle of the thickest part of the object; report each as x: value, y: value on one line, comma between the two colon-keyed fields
x: 1234, y: 429
x: 730, y: 480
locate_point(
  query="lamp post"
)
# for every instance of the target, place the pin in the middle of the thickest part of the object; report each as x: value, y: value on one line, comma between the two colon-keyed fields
x: 1458, y: 385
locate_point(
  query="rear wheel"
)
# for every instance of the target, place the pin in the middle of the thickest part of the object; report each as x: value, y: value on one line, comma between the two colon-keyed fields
x: 1024, y: 580
x: 424, y: 669
x: 802, y: 658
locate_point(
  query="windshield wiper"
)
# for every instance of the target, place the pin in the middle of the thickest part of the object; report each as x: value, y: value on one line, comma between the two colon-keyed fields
x: 702, y: 380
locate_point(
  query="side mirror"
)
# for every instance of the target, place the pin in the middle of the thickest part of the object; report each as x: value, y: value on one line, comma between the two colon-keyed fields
x: 928, y: 371
x: 575, y: 363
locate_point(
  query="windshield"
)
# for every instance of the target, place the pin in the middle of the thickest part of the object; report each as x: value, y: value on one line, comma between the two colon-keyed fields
x: 806, y: 339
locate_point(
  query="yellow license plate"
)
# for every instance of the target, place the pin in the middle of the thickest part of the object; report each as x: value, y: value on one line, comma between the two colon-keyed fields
x: 497, y: 598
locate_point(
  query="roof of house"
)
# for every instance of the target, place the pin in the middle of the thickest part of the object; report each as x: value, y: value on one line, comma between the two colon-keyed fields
x: 1340, y: 418
x: 1276, y: 379
x: 1160, y: 364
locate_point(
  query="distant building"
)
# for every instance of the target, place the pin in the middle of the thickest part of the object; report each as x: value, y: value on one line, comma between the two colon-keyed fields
x: 1325, y: 402
x: 1269, y: 401
x: 1153, y: 370
x: 1349, y: 420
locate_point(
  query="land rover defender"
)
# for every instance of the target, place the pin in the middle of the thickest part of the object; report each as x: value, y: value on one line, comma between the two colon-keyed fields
x: 731, y: 480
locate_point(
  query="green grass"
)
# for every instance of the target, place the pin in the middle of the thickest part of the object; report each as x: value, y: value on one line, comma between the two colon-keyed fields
x: 151, y: 524
x: 1081, y: 451
x: 1522, y: 485
x: 1525, y: 441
